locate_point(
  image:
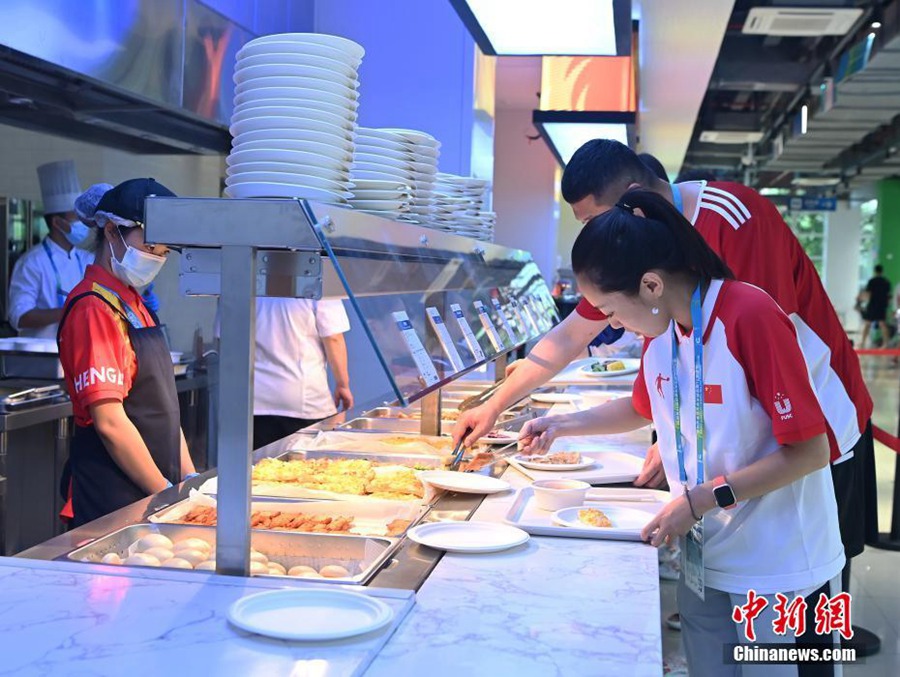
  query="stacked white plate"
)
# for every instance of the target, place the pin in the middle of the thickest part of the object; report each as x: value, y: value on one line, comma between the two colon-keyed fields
x: 403, y: 164
x: 459, y: 207
x: 294, y: 118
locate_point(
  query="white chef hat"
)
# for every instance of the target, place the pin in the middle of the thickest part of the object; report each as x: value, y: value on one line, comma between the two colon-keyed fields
x: 59, y: 186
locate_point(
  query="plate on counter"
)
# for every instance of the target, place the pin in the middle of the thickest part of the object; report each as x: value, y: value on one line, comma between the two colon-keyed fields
x: 554, y: 398
x: 309, y: 615
x: 631, y: 366
x: 531, y: 464
x: 621, y: 518
x: 468, y: 537
x: 337, y: 143
x: 498, y: 437
x: 284, y: 190
x: 462, y: 482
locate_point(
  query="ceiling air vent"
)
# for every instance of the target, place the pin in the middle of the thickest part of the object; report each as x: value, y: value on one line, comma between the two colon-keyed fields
x: 800, y: 22
x: 714, y: 136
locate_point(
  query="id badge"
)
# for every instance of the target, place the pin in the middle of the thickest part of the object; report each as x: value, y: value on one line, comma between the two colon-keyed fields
x: 692, y: 560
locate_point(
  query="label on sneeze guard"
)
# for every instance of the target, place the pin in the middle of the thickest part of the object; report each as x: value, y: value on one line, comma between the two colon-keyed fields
x: 519, y: 318
x: 489, y: 327
x: 443, y: 334
x: 526, y: 307
x: 506, y: 325
x: 416, y: 349
x: 468, y: 334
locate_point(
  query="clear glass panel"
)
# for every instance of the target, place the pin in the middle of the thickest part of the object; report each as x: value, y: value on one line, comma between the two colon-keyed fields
x: 434, y: 305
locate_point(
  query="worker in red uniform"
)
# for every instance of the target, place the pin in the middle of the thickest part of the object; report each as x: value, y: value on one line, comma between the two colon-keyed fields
x: 128, y: 442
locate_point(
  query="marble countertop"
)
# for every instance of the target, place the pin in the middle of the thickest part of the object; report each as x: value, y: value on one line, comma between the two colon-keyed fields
x: 68, y: 618
x: 553, y: 606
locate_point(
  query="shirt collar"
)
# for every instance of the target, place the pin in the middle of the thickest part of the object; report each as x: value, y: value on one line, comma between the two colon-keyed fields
x: 709, y: 304
x: 56, y: 249
x: 98, y: 274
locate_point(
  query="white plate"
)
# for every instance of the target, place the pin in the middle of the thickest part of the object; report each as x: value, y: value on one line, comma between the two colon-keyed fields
x: 301, y: 59
x: 288, y: 47
x: 286, y: 177
x: 316, y: 66
x: 278, y: 67
x: 392, y: 195
x: 295, y: 139
x: 333, y: 41
x: 376, y: 185
x: 471, y: 537
x: 315, y: 177
x: 623, y: 519
x: 414, y: 136
x: 463, y: 482
x: 363, y: 146
x: 585, y: 463
x: 342, y: 121
x: 632, y: 366
x: 378, y: 205
x: 309, y: 615
x: 506, y: 439
x: 554, y: 398
x: 384, y: 135
x: 307, y: 96
x: 311, y: 88
x: 285, y: 190
x: 296, y: 105
x: 384, y: 160
x: 245, y: 76
x: 295, y: 157
x: 256, y: 124
x: 383, y: 171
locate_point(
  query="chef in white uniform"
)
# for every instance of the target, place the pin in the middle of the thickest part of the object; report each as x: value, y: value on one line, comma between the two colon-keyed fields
x: 46, y: 273
x: 297, y: 340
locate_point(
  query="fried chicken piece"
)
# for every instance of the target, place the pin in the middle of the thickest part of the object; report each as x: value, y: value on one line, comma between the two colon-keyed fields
x: 397, y: 527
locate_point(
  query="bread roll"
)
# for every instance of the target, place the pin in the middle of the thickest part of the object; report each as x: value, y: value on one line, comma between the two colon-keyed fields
x: 177, y: 563
x: 153, y: 541
x: 208, y: 565
x: 301, y: 569
x: 111, y: 558
x: 192, y: 556
x: 141, y: 559
x: 160, y: 553
x: 334, y: 571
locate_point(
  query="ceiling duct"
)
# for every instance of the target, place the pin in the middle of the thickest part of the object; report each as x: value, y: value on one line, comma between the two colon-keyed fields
x: 800, y: 22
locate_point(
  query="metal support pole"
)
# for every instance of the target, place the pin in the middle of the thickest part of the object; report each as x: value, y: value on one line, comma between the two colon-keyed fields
x: 430, y: 423
x: 500, y: 367
x: 237, y: 305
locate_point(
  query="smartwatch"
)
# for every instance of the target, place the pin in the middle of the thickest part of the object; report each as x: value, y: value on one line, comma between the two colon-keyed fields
x: 723, y: 493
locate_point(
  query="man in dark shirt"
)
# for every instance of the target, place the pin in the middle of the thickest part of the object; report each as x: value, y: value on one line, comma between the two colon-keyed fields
x: 876, y: 296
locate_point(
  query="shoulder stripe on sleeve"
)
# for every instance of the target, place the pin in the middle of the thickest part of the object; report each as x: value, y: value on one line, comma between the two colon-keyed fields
x: 724, y: 213
x: 731, y: 197
x: 727, y: 204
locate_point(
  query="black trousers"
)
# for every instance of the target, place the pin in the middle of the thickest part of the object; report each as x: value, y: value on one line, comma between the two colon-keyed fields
x: 268, y: 429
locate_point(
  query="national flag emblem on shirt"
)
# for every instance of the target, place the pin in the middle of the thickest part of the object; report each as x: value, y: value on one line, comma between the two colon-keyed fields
x: 712, y: 394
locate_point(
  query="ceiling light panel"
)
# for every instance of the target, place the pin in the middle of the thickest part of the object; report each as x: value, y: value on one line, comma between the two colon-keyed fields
x: 539, y: 27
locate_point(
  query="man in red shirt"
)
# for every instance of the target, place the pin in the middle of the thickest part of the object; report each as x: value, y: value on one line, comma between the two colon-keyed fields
x: 747, y: 231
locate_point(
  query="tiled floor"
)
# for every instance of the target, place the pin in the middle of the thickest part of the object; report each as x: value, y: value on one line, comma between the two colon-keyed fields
x: 875, y: 583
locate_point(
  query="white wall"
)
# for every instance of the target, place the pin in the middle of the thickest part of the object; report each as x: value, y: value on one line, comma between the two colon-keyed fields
x: 842, y: 262
x: 524, y: 198
x: 24, y: 151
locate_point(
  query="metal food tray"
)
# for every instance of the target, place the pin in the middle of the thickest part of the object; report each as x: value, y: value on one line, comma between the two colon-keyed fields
x: 362, y: 556
x: 525, y: 514
x: 33, y: 397
x: 423, y: 460
x: 384, y: 511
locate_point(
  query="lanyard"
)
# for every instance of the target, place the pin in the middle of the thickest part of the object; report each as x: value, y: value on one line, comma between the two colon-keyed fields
x: 61, y: 293
x: 697, y: 333
x: 677, y: 199
x: 132, y: 316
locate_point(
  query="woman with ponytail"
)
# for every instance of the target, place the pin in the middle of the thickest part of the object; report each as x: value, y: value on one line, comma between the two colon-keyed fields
x: 741, y: 434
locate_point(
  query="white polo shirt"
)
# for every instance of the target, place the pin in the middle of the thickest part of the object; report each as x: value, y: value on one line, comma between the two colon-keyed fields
x: 34, y: 282
x: 757, y: 397
x: 291, y: 377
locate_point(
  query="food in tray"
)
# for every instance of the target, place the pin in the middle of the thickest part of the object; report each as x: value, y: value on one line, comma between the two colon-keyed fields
x: 502, y: 435
x: 593, y: 517
x: 290, y: 521
x: 446, y: 415
x: 357, y: 477
x: 477, y: 462
x: 556, y: 458
x: 197, y: 554
x: 607, y: 365
x: 439, y: 443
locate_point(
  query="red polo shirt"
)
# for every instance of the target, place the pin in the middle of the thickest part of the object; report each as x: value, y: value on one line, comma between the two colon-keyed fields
x: 96, y: 354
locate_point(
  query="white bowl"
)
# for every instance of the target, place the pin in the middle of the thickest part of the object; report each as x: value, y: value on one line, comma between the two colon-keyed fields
x: 555, y: 495
x: 337, y: 68
x: 254, y: 48
x: 337, y: 42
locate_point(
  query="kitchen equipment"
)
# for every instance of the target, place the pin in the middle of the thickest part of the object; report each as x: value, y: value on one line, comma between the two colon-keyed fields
x: 362, y: 556
x: 458, y: 451
x: 309, y: 615
x: 32, y: 397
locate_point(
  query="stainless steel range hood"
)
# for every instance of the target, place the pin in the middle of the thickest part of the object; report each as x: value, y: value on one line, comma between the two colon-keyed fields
x: 149, y: 77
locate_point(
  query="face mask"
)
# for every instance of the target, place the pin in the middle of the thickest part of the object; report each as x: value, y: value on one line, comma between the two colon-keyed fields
x: 137, y: 268
x: 78, y: 233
